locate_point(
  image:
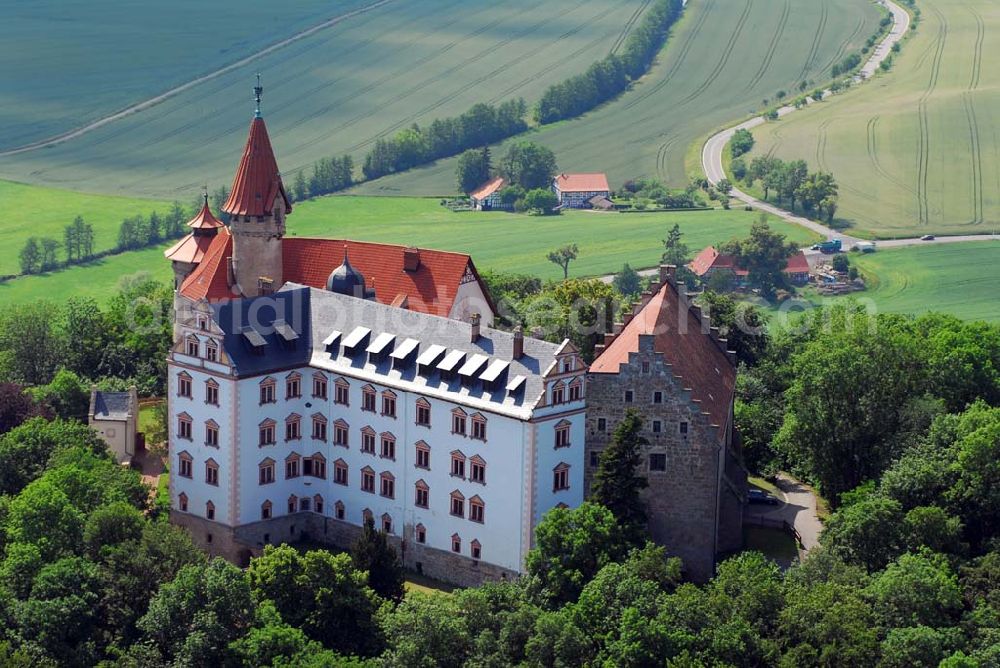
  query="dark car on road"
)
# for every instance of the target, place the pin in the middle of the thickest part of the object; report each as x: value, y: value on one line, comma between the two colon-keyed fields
x: 760, y: 496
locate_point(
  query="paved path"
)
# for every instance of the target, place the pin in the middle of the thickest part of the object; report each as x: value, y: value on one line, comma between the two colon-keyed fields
x: 711, y: 155
x: 798, y: 509
x: 146, y: 104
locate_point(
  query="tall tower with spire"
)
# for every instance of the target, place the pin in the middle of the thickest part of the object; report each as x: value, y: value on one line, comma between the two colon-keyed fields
x: 257, y: 207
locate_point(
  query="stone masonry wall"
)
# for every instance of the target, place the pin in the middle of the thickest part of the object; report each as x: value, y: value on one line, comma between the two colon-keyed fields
x: 239, y: 544
x: 683, y: 501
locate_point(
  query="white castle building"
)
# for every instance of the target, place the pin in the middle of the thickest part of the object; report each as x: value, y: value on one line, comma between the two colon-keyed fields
x: 302, y: 406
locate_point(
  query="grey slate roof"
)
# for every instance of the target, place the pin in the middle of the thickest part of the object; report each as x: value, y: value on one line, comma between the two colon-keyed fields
x: 279, y: 326
x: 111, y: 406
x: 332, y: 312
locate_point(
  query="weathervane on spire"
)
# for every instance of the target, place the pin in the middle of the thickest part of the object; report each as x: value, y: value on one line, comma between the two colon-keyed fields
x: 257, y: 90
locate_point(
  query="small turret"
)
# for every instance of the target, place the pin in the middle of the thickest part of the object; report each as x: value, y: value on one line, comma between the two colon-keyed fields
x: 346, y: 280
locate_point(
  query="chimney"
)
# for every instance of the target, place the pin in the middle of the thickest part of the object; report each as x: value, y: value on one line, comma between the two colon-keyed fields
x: 518, y: 343
x: 411, y: 259
x: 474, y: 321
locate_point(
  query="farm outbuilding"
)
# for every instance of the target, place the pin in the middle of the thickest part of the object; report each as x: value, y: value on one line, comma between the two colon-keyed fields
x: 575, y: 191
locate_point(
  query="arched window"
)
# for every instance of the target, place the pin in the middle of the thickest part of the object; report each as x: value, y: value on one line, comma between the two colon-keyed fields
x: 341, y: 433
x: 265, y: 510
x: 319, y: 427
x: 340, y: 472
x: 477, y: 469
x: 211, y: 473
x: 293, y: 504
x: 184, y: 384
x: 267, y: 391
x: 265, y: 432
x: 184, y: 427
x: 476, y: 550
x: 387, y: 486
x: 368, y: 398
x: 367, y: 516
x: 423, y: 459
x: 182, y: 502
x: 210, y: 511
x: 318, y: 504
x: 457, y: 504
x: 265, y: 472
x: 387, y: 523
x: 211, y: 392
x: 293, y: 427
x: 293, y: 385
x: 423, y: 417
x: 338, y: 510
x: 477, y: 509
x: 293, y: 466
x: 420, y: 533
x: 479, y: 427
x: 422, y: 496
x: 560, y: 477
x: 458, y: 464
x: 458, y: 420
x: 342, y: 392
x: 388, y: 446
x: 389, y: 403
x: 456, y: 543
x: 185, y: 466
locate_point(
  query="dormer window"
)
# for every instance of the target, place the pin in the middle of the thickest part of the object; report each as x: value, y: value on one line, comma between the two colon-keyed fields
x: 265, y: 285
x: 558, y: 393
x: 193, y: 347
x: 575, y: 390
x: 202, y: 323
x: 212, y: 351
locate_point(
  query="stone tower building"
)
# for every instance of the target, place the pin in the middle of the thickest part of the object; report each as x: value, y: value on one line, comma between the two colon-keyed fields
x: 257, y: 207
x: 667, y: 362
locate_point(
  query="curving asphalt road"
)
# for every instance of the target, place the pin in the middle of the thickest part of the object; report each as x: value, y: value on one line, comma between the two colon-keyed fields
x: 711, y: 155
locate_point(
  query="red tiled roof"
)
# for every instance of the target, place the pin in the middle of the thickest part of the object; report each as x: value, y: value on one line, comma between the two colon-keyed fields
x: 431, y: 288
x: 190, y: 249
x: 797, y: 264
x: 488, y: 188
x: 709, y: 258
x: 209, y: 279
x: 257, y: 183
x: 569, y: 183
x: 695, y: 357
x: 205, y: 220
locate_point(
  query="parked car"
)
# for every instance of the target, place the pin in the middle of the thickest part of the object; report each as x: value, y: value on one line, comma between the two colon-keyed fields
x: 927, y: 237
x: 760, y: 496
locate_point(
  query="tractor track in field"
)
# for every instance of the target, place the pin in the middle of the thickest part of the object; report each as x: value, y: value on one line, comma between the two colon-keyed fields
x: 872, y: 146
x: 821, y: 141
x: 471, y: 84
x: 817, y: 38
x: 843, y: 46
x: 723, y: 61
x: 628, y: 26
x: 976, y: 157
x: 681, y: 57
x: 977, y: 58
x: 772, y: 47
x: 661, y: 155
x: 923, y: 152
x: 157, y: 99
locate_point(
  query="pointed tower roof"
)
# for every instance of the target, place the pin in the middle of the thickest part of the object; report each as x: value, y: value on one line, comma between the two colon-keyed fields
x: 205, y: 220
x: 258, y: 182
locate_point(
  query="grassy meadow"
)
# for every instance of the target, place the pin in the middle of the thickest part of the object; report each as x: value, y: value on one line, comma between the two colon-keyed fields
x: 722, y: 60
x: 32, y: 211
x: 955, y: 278
x: 495, y: 240
x: 330, y: 93
x: 917, y: 150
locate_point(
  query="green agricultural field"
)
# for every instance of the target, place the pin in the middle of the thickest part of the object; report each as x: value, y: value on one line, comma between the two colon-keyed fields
x: 45, y: 212
x: 916, y: 150
x: 507, y: 242
x: 955, y: 278
x: 723, y: 58
x: 330, y: 93
x: 79, y: 60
